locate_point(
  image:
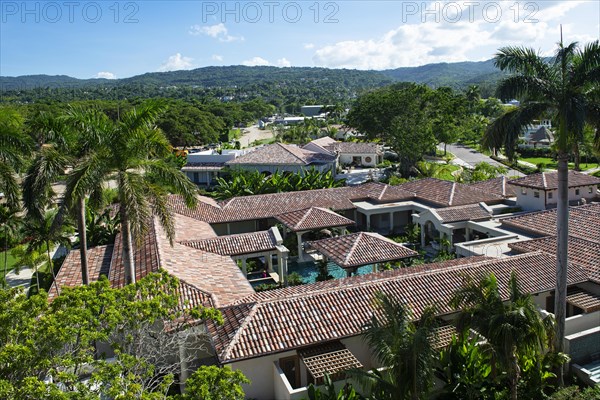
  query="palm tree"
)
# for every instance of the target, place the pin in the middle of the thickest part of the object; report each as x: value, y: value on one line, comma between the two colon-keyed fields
x: 14, y: 147
x: 43, y: 234
x: 72, y: 136
x: 512, y: 329
x: 405, y: 348
x: 560, y: 87
x: 133, y: 155
x: 10, y: 220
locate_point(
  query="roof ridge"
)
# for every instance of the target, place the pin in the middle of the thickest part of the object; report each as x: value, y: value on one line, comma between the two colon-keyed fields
x: 544, y: 182
x: 304, y: 216
x: 452, y: 193
x: 351, y: 251
x: 239, y: 330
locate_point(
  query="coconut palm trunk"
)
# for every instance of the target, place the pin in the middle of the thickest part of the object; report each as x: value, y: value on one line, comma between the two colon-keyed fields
x: 82, y: 240
x: 126, y: 239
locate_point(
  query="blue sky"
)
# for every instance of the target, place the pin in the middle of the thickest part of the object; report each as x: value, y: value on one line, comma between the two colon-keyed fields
x: 87, y: 39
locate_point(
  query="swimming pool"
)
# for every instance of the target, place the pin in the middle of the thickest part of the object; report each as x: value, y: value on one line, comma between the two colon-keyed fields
x: 309, y: 271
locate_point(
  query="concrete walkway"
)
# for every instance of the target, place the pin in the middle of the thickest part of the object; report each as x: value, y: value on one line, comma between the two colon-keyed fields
x: 468, y: 158
x: 23, y: 278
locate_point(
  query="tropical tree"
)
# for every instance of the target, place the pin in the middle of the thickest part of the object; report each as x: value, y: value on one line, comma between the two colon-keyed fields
x: 10, y: 222
x: 432, y: 170
x: 14, y: 149
x: 404, y: 347
x: 513, y: 329
x: 132, y: 155
x: 561, y: 87
x: 42, y: 235
x: 73, y: 136
x: 30, y: 258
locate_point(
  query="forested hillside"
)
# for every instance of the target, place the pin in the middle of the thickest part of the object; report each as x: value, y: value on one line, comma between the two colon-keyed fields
x: 279, y: 86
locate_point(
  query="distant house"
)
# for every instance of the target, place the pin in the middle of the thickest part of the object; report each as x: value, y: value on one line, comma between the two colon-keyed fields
x: 538, y: 134
x: 540, y: 191
x: 349, y: 153
x: 284, y: 158
x: 204, y: 167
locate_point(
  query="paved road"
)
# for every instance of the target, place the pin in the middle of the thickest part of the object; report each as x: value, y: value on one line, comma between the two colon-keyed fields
x: 466, y: 156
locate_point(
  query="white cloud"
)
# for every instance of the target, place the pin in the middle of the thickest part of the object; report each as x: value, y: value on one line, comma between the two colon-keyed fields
x: 308, y: 46
x: 218, y: 31
x: 106, y: 75
x: 217, y: 57
x: 452, y: 38
x: 255, y: 61
x: 283, y: 62
x: 176, y: 62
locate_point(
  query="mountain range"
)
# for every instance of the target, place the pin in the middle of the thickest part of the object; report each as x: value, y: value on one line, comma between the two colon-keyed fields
x: 457, y: 75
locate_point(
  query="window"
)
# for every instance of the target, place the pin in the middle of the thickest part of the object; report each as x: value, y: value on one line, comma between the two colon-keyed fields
x: 524, y: 191
x: 550, y: 195
x: 536, y: 195
x: 368, y: 159
x: 576, y: 192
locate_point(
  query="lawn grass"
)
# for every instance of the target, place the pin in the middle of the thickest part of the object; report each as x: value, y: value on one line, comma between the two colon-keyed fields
x: 10, y: 261
x: 447, y: 175
x: 263, y: 141
x: 551, y: 164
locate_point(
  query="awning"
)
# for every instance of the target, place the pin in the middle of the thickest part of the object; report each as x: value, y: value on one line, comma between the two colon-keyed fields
x: 588, y: 302
x: 330, y: 358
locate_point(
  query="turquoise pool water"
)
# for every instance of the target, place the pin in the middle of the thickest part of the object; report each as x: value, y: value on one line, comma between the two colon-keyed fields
x: 309, y: 271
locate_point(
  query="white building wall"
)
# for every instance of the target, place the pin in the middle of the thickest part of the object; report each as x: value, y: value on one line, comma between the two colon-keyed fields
x: 260, y: 372
x: 527, y: 201
x: 348, y: 158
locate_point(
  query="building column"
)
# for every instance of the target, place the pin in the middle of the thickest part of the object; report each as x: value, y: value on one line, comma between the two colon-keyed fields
x: 467, y: 234
x: 300, y: 250
x: 368, y: 221
x: 228, y: 229
x: 422, y: 235
x: 391, y: 223
x: 270, y: 263
x: 283, y: 269
x: 374, y: 267
x: 244, y: 269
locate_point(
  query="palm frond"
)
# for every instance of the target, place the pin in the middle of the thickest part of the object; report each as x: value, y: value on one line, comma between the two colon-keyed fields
x: 173, y: 178
x: 45, y: 170
x: 523, y: 61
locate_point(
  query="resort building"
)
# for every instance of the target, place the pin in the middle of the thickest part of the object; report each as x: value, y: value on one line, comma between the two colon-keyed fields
x: 281, y: 338
x: 540, y: 191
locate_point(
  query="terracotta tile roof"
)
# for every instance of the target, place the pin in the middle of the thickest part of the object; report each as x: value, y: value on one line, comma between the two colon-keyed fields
x: 380, y: 192
x: 361, y: 248
x: 584, y: 222
x: 587, y: 301
x: 549, y: 180
x: 305, y: 316
x: 69, y: 274
x: 282, y: 154
x: 440, y: 193
x: 581, y: 251
x: 368, y: 279
x: 145, y: 256
x: 312, y: 218
x: 498, y: 186
x: 444, y: 193
x: 471, y: 212
x: 355, y: 148
x: 212, y: 273
x: 324, y: 141
x: 243, y: 243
